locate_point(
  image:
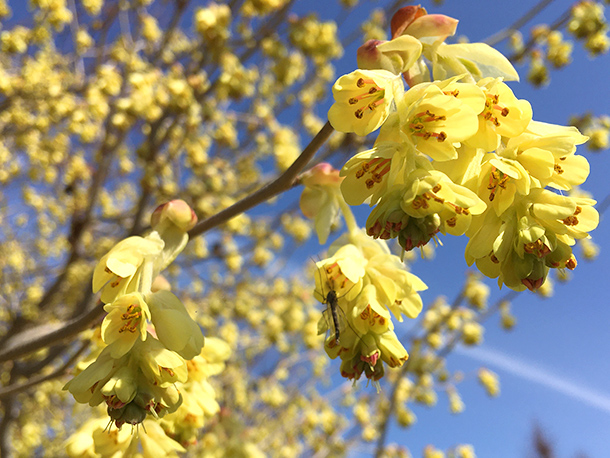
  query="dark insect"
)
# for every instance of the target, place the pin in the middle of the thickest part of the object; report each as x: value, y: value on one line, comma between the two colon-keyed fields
x: 333, y: 303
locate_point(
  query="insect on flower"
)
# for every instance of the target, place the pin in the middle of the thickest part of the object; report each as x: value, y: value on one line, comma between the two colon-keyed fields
x: 334, y: 315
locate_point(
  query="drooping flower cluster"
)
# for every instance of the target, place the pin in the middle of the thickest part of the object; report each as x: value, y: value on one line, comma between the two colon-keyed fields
x: 370, y: 284
x: 458, y: 153
x: 149, y: 334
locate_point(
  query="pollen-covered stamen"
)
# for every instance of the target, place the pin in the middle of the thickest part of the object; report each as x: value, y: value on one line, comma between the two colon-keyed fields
x: 492, y: 109
x: 451, y: 222
x: 132, y: 317
x: 371, y: 317
x: 571, y: 263
x: 420, y: 126
x: 497, y: 179
x: 335, y: 278
x: 573, y: 220
x: 375, y: 169
x: 454, y: 93
x: 558, y: 170
x: 168, y: 370
x: 537, y: 248
x: 420, y: 202
x: 370, y: 91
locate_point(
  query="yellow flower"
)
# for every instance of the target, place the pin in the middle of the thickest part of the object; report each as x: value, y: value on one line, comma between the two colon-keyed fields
x: 363, y: 100
x: 547, y: 152
x: 432, y: 192
x: 160, y: 366
x: 504, y: 115
x: 320, y: 199
x: 368, y: 174
x: 569, y: 217
x: 156, y: 443
x: 369, y: 283
x: 173, y: 325
x: 434, y: 122
x: 490, y: 381
x: 119, y: 271
x: 126, y: 321
x: 500, y: 181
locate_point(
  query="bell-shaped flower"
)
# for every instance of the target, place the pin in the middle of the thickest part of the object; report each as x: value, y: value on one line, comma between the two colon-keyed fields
x: 157, y: 443
x: 159, y: 365
x: 173, y: 325
x: 435, y: 123
x: 126, y: 321
x: 368, y: 315
x: 341, y: 273
x: 568, y: 217
x: 369, y: 173
x: 395, y: 286
x: 551, y: 146
x: 121, y: 388
x: 211, y: 360
x: 320, y: 199
x: 370, y: 282
x: 363, y: 100
x: 85, y: 387
x: 504, y: 115
x: 119, y: 271
x: 429, y: 192
x: 501, y: 180
x: 388, y: 218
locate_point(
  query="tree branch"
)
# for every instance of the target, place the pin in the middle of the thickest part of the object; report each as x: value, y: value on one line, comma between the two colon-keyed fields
x: 281, y: 184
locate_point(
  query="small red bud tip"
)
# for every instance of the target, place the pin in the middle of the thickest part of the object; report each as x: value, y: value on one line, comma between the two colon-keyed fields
x: 532, y: 284
x: 322, y: 174
x: 404, y: 17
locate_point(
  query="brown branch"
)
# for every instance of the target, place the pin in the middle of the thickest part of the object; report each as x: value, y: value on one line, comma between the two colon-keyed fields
x: 281, y: 184
x: 41, y: 336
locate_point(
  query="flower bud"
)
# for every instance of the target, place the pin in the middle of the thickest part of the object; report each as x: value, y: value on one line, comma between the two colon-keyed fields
x: 419, y: 231
x: 178, y: 212
x: 388, y: 218
x: 395, y: 56
x: 404, y: 17
x: 322, y: 174
x: 432, y: 25
x: 132, y: 414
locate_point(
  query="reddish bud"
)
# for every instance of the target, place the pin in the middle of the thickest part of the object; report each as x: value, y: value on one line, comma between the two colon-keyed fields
x: 178, y: 212
x: 322, y: 174
x: 404, y: 17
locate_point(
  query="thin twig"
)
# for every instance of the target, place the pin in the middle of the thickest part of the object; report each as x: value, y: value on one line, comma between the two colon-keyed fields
x: 515, y: 26
x: 18, y: 388
x: 281, y: 184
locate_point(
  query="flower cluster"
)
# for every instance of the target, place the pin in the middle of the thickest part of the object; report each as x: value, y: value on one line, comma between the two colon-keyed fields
x: 458, y: 153
x: 148, y: 332
x: 370, y: 284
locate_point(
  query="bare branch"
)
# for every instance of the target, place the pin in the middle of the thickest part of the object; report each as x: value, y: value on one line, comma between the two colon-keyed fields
x: 281, y: 184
